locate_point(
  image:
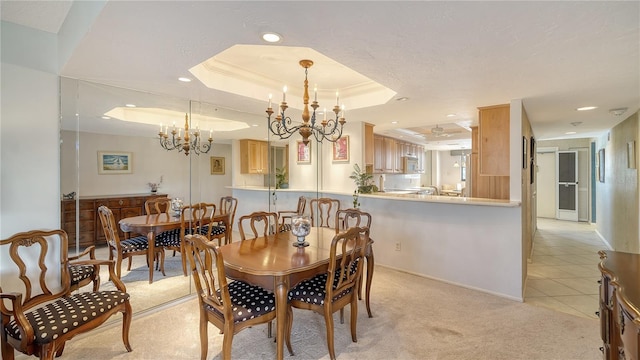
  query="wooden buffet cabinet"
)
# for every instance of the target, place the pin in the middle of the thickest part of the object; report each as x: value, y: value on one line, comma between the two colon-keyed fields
x: 91, y: 232
x: 620, y: 305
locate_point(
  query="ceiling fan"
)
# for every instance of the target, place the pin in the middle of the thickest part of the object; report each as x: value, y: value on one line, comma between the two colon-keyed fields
x: 439, y: 131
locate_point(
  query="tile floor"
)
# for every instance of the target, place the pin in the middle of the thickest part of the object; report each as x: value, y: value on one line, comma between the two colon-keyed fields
x: 563, y: 272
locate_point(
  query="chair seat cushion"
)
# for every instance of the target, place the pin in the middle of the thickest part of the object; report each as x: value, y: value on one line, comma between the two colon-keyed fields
x: 215, y: 230
x: 170, y: 238
x: 248, y: 301
x: 66, y: 314
x: 80, y: 272
x: 313, y: 291
x: 138, y: 243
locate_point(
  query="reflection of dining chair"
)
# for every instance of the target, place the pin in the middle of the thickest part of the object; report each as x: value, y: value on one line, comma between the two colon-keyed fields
x: 323, y: 210
x: 230, y: 306
x: 228, y: 205
x: 332, y: 291
x: 346, y: 219
x: 159, y: 205
x: 128, y: 248
x: 84, y: 274
x: 260, y: 223
x: 39, y: 313
x: 287, y: 214
x: 194, y: 219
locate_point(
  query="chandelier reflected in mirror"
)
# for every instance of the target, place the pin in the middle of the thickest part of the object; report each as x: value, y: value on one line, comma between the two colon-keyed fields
x: 283, y: 127
x: 191, y: 142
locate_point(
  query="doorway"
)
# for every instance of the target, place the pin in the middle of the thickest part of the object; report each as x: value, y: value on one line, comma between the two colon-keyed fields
x: 567, y: 185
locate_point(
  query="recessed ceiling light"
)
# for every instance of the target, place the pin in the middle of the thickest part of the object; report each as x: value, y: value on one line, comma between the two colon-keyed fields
x: 451, y: 115
x: 184, y: 79
x: 271, y: 37
x: 570, y: 133
x: 106, y: 117
x: 585, y: 108
x: 254, y: 125
x: 130, y: 105
x: 394, y: 122
x: 404, y: 98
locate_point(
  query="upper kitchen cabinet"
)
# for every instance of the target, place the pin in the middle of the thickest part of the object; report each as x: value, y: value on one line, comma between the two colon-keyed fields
x: 254, y: 157
x: 493, y: 147
x: 368, y: 145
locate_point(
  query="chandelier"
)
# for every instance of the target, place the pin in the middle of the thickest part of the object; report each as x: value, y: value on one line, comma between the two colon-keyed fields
x: 281, y: 125
x: 177, y: 143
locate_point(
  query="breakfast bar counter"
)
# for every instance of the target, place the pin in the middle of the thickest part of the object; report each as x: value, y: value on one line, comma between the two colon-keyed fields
x: 470, y: 242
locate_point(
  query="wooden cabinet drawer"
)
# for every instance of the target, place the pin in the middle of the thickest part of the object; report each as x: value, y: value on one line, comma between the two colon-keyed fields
x: 118, y: 203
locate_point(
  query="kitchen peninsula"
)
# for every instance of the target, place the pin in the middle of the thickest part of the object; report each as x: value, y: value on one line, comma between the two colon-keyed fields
x: 470, y: 242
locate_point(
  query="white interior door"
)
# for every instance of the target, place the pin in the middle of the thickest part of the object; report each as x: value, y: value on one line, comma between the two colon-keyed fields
x: 567, y: 186
x: 546, y: 184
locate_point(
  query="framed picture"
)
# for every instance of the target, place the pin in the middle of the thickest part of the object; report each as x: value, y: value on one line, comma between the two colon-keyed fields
x: 631, y: 155
x: 525, y: 147
x: 304, y: 153
x: 601, y: 165
x: 115, y: 162
x: 341, y: 149
x: 217, y: 165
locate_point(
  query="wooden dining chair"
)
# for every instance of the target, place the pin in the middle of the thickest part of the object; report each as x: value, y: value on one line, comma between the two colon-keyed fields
x: 158, y: 205
x: 126, y: 249
x: 346, y: 219
x: 194, y: 219
x: 82, y: 274
x: 338, y: 287
x: 323, y: 211
x: 230, y: 306
x: 228, y: 205
x: 287, y: 214
x: 39, y: 313
x: 260, y: 223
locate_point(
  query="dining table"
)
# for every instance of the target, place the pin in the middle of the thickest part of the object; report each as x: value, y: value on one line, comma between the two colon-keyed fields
x: 154, y: 224
x: 274, y: 263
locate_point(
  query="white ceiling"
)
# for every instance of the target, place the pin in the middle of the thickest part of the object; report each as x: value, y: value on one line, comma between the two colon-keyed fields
x: 446, y: 57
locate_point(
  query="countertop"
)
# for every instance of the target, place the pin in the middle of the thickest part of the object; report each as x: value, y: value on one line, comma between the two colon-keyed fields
x: 401, y: 195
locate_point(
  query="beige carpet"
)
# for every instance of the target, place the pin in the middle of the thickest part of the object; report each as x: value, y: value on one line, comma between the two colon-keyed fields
x: 414, y: 318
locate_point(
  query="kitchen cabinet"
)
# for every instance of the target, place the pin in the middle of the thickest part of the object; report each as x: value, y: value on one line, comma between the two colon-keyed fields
x: 493, y: 150
x: 368, y: 145
x: 378, y: 154
x: 90, y: 227
x: 389, y: 153
x: 254, y: 157
x: 400, y: 152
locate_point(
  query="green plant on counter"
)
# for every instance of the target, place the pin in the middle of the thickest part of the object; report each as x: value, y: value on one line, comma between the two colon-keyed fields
x: 364, y: 184
x: 281, y: 178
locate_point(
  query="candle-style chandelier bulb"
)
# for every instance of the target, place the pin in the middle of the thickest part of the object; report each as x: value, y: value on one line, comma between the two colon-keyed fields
x: 282, y: 126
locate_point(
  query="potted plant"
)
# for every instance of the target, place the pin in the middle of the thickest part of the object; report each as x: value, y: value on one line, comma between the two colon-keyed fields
x: 364, y: 184
x: 281, y: 178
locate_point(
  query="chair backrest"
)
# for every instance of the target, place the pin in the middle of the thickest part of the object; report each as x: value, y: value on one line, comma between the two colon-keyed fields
x: 302, y: 204
x: 347, y: 253
x: 196, y: 217
x: 110, y: 228
x: 348, y: 218
x: 260, y: 223
x: 228, y: 205
x: 159, y: 205
x: 206, y: 266
x: 36, y: 266
x: 323, y: 210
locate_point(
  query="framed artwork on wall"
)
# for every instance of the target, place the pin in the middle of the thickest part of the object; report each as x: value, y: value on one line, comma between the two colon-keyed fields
x: 217, y: 165
x: 341, y: 149
x: 631, y: 155
x: 303, y: 153
x: 601, y: 165
x: 115, y: 162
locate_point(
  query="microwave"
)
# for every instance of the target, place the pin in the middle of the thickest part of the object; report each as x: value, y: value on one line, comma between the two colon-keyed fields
x: 410, y: 165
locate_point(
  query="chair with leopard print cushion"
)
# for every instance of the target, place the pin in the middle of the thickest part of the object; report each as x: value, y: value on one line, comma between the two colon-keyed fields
x: 81, y: 274
x: 40, y: 318
x: 230, y: 306
x: 338, y: 287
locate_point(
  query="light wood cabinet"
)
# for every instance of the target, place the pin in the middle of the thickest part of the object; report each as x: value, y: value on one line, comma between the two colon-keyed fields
x: 368, y: 145
x: 90, y: 227
x: 378, y: 152
x: 254, y: 157
x: 389, y: 155
x: 494, y: 140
